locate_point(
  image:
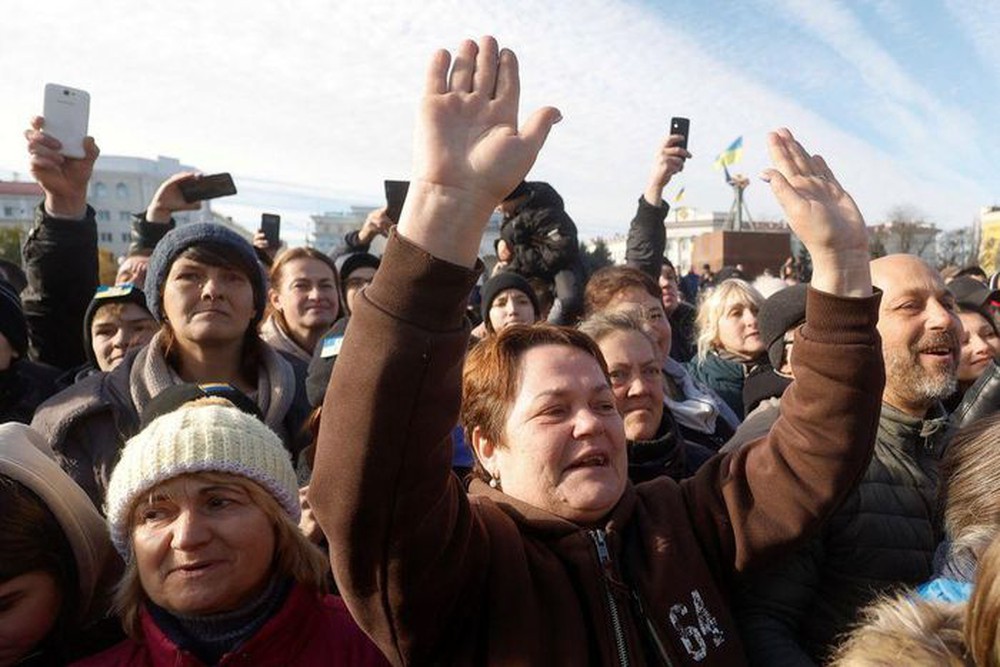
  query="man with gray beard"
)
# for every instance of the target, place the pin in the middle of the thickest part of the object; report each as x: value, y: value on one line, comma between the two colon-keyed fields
x: 885, y: 532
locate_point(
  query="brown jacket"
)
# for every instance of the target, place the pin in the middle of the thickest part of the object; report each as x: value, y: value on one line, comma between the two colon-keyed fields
x: 439, y: 577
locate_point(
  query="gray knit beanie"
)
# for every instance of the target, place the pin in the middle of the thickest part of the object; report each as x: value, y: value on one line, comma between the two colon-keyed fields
x: 208, y: 233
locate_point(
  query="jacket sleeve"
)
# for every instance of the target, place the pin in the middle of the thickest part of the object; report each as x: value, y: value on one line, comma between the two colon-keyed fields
x: 146, y: 234
x: 407, y: 551
x: 981, y: 399
x: 60, y: 261
x: 750, y: 505
x: 647, y: 238
x: 771, y: 606
x: 352, y: 244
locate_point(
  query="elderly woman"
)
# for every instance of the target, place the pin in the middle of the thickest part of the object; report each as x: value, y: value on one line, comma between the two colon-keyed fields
x: 207, y: 290
x: 203, y: 507
x: 303, y: 302
x: 703, y: 417
x: 57, y: 566
x: 554, y: 557
x: 655, y: 444
x: 729, y: 341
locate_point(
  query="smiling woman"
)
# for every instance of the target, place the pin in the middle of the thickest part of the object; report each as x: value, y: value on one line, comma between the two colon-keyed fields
x: 204, y: 506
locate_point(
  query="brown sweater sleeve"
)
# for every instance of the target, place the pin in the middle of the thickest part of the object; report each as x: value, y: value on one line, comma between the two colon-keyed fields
x: 753, y: 504
x: 382, y: 482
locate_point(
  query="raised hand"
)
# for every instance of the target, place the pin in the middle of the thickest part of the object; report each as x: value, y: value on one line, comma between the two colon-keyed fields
x: 169, y: 199
x: 469, y: 152
x: 668, y: 160
x: 377, y: 223
x: 822, y: 215
x: 64, y: 179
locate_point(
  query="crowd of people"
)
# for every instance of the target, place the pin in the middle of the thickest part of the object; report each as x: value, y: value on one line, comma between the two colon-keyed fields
x: 236, y: 456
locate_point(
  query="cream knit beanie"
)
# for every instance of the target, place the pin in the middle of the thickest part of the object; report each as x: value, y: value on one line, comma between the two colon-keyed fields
x: 209, y: 435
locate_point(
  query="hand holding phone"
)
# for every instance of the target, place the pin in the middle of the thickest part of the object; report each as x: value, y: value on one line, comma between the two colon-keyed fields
x: 67, y: 115
x: 680, y: 126
x: 207, y: 187
x: 270, y: 224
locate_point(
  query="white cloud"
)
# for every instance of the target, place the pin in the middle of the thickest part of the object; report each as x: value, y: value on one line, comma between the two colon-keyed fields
x: 324, y: 95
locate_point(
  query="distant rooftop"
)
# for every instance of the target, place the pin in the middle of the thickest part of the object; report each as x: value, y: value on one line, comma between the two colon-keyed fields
x: 24, y: 188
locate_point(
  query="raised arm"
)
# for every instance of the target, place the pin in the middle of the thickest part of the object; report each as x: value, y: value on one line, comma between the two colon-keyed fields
x: 647, y: 237
x: 406, y: 548
x: 778, y: 489
x: 60, y: 253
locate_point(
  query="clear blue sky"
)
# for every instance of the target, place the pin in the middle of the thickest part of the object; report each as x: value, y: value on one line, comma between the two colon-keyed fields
x: 900, y: 96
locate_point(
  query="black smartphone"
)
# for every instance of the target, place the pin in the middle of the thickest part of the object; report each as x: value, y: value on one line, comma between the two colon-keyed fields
x: 270, y: 224
x: 207, y: 187
x: 680, y: 125
x: 395, y: 195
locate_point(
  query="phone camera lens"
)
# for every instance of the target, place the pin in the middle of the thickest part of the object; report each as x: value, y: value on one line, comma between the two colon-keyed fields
x: 65, y: 92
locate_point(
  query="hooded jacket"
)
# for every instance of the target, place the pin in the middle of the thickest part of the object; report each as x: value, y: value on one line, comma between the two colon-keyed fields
x: 541, y: 234
x: 438, y: 577
x: 26, y: 458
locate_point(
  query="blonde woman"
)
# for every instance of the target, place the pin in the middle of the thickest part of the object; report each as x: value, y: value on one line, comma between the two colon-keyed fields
x: 729, y: 342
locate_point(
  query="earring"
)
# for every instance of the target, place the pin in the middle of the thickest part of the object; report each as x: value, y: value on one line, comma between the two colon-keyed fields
x: 494, y: 482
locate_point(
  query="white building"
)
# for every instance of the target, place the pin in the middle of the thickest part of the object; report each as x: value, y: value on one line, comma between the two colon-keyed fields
x: 329, y: 230
x: 684, y: 225
x: 124, y: 185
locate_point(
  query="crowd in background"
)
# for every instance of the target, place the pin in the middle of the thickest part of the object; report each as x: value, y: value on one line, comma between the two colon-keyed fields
x: 245, y: 454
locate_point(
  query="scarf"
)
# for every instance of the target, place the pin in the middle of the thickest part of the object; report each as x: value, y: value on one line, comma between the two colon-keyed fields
x: 150, y: 374
x: 695, y: 407
x: 278, y: 338
x: 213, y: 636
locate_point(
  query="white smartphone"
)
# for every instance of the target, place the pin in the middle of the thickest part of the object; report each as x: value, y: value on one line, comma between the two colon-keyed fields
x: 67, y: 113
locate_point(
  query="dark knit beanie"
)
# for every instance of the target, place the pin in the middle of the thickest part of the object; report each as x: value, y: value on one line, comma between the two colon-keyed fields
x: 105, y: 294
x: 321, y: 364
x: 180, y: 239
x: 356, y: 260
x: 503, y: 281
x: 12, y: 323
x: 783, y: 310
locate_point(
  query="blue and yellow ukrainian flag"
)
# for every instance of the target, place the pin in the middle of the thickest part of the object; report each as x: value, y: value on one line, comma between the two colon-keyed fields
x: 731, y: 155
x: 679, y: 196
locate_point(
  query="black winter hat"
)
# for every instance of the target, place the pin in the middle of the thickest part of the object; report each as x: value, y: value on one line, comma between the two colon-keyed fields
x: 783, y: 310
x: 105, y: 294
x: 12, y: 323
x: 356, y: 260
x: 503, y: 281
x: 321, y: 364
x: 970, y: 294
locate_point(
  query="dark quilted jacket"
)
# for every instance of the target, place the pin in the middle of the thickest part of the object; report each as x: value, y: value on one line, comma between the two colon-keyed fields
x: 882, y: 536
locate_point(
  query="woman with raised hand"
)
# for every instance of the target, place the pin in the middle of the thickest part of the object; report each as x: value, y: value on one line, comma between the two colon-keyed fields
x: 203, y: 506
x: 554, y: 557
x: 207, y: 290
x: 303, y: 302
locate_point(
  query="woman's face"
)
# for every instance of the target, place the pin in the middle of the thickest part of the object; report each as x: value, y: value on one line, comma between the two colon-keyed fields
x: 118, y: 328
x: 357, y: 281
x: 980, y: 345
x: 738, y: 333
x: 636, y: 380
x: 29, y: 606
x: 640, y: 302
x: 307, y: 296
x: 563, y: 447
x: 202, y: 546
x: 207, y: 305
x: 511, y: 306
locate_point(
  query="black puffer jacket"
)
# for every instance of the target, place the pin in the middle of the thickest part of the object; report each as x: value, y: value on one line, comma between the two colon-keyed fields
x: 60, y: 261
x: 882, y: 536
x: 541, y: 234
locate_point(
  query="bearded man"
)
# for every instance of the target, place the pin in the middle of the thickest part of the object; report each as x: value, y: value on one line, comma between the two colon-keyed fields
x: 885, y: 532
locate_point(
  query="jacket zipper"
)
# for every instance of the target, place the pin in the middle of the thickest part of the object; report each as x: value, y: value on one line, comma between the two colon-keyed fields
x: 605, y: 557
x: 651, y: 628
